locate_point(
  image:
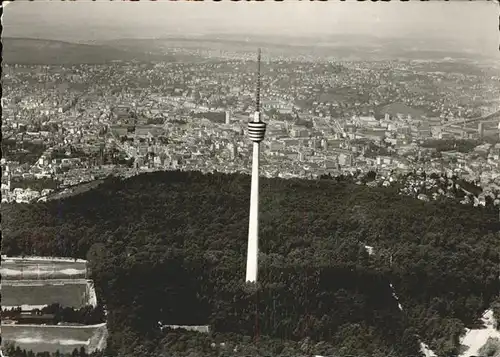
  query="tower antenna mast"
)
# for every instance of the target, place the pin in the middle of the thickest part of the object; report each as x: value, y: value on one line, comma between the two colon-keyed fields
x: 257, y: 93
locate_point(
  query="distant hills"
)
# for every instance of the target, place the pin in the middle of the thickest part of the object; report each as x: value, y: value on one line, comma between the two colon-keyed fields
x: 341, y: 46
x: 39, y: 51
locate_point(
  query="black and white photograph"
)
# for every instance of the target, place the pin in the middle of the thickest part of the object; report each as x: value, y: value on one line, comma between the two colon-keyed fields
x: 250, y: 178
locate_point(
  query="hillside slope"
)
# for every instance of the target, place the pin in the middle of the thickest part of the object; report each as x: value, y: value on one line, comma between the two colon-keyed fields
x: 50, y: 52
x: 171, y: 247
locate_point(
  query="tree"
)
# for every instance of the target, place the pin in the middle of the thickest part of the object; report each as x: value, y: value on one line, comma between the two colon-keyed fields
x: 82, y: 352
x: 371, y: 176
x: 185, y: 232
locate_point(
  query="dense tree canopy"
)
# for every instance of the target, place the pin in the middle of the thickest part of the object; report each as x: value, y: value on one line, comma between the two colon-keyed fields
x: 87, y: 315
x: 462, y: 145
x: 12, y: 350
x: 170, y: 247
x: 24, y: 152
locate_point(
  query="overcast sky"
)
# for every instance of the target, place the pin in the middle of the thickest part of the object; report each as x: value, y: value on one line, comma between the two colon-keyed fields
x: 467, y: 22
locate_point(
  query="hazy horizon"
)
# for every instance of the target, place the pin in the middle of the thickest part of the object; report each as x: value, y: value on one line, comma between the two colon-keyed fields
x: 470, y: 25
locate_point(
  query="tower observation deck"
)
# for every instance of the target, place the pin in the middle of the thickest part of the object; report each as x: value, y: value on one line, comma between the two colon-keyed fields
x: 256, y: 131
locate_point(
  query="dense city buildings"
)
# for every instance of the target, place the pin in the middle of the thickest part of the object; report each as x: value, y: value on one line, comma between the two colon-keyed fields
x: 69, y: 124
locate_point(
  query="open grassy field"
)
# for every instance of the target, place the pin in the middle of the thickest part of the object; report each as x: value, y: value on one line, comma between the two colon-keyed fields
x: 52, y: 338
x: 73, y: 294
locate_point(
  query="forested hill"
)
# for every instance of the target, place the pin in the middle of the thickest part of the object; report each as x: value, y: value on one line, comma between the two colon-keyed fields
x: 29, y: 51
x: 170, y: 247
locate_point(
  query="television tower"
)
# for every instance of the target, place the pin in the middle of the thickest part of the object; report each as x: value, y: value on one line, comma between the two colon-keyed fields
x: 256, y: 132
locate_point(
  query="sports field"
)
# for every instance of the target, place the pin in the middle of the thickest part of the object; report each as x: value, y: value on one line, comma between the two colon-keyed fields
x: 42, y: 268
x: 52, y: 338
x: 33, y: 282
x: 72, y: 293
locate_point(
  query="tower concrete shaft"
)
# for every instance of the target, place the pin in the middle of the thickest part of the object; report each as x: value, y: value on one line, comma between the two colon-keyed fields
x: 253, y: 224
